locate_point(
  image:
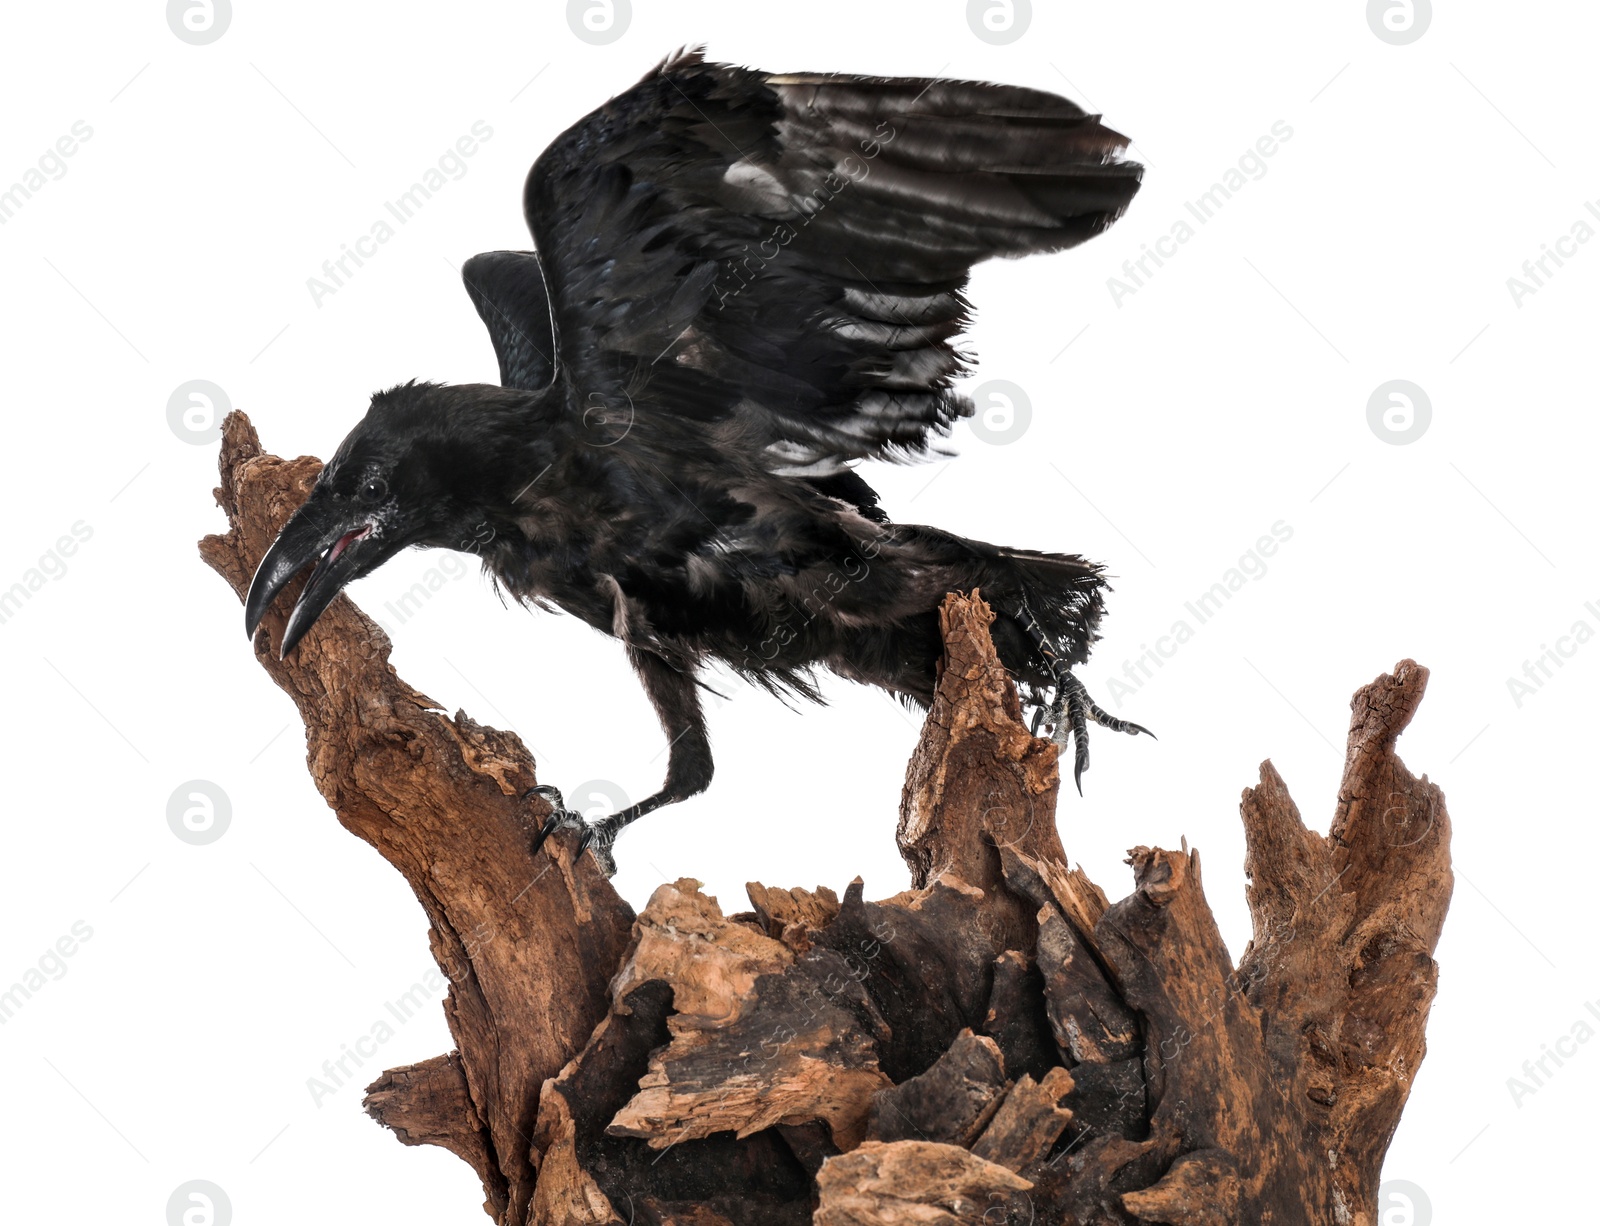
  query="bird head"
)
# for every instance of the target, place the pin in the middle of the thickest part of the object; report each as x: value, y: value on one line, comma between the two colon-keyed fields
x: 423, y: 467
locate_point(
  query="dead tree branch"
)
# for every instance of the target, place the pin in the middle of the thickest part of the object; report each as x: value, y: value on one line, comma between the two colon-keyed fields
x: 1000, y: 1043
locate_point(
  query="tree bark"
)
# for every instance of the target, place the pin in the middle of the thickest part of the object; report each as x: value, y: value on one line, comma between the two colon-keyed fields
x: 528, y: 943
x: 1000, y: 1043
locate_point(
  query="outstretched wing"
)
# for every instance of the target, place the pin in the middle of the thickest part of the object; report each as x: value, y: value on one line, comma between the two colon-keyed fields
x: 781, y: 257
x: 508, y: 290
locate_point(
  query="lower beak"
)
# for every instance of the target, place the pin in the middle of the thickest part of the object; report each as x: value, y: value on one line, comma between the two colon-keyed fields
x: 304, y: 538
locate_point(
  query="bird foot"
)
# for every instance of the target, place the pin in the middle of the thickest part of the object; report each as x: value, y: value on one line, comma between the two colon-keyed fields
x: 598, y: 837
x: 592, y: 836
x: 1070, y: 714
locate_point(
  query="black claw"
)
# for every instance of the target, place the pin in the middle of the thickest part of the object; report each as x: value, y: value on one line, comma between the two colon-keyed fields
x: 592, y: 836
x: 597, y: 838
x: 551, y: 825
x: 1076, y: 714
x: 584, y: 840
x: 560, y: 815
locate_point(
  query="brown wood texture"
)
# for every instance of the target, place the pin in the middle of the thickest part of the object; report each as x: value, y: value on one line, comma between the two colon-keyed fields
x: 528, y: 943
x: 999, y: 1044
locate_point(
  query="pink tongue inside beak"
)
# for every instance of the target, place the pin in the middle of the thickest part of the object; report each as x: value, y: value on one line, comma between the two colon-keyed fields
x: 353, y: 535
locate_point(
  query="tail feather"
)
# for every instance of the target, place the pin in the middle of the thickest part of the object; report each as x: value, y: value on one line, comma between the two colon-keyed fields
x: 1061, y: 595
x: 1056, y: 597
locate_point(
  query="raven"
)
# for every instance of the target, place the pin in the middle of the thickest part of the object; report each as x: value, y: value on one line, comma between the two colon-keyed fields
x: 743, y: 284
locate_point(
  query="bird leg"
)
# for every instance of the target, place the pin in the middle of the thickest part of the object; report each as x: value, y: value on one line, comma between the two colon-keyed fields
x: 675, y: 695
x: 1071, y: 708
x: 1067, y: 714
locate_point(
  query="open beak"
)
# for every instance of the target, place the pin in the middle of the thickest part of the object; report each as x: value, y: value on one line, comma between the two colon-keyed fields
x: 346, y: 552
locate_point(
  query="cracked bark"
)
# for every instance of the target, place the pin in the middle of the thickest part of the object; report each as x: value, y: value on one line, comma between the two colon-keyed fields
x: 528, y: 944
x: 999, y: 1043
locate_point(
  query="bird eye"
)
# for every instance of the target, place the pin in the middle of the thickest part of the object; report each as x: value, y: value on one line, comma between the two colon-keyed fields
x: 373, y: 489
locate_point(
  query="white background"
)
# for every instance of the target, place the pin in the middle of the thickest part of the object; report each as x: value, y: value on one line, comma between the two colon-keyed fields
x: 1228, y: 393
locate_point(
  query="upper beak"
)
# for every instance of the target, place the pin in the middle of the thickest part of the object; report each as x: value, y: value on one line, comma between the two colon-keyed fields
x: 312, y: 531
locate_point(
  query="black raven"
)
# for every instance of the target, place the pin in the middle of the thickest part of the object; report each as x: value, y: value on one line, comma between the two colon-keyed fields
x: 743, y: 284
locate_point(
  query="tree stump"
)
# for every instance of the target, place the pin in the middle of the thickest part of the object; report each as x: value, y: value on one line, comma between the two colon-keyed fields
x: 1000, y: 1043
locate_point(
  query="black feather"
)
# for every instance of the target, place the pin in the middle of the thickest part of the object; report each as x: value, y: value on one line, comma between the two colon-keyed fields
x: 745, y: 283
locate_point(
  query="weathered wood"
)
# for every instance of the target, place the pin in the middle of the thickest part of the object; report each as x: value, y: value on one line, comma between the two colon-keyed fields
x: 429, y: 1104
x: 951, y: 1102
x: 1089, y: 1020
x: 527, y: 944
x: 787, y: 915
x: 915, y: 1183
x: 1016, y: 1017
x: 752, y: 1044
x: 977, y: 780
x: 1000, y: 1043
x: 1029, y: 1122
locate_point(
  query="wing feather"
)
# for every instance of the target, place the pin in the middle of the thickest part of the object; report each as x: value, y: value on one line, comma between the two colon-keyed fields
x: 509, y: 291
x: 787, y: 252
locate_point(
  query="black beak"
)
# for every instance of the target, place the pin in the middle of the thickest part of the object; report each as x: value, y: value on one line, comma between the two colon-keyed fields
x: 342, y: 543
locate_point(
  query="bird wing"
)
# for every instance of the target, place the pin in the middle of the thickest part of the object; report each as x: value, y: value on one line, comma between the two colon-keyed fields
x: 780, y: 257
x: 509, y: 291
